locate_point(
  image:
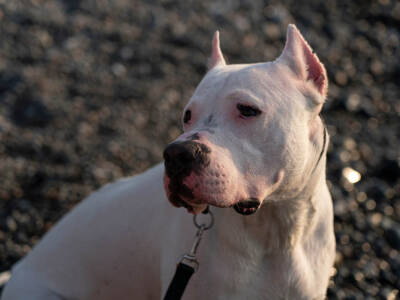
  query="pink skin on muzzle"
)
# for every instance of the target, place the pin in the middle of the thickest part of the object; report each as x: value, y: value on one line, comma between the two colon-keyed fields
x: 212, y: 185
x: 218, y: 184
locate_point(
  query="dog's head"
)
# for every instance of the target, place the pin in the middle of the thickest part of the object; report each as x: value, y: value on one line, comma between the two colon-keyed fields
x: 252, y: 132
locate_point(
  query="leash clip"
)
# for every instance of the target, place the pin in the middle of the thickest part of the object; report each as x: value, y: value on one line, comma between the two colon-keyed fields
x: 188, y: 263
x: 190, y: 258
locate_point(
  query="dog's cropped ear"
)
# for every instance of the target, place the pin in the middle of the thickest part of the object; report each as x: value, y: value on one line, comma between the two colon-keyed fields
x: 216, y: 56
x: 300, y: 58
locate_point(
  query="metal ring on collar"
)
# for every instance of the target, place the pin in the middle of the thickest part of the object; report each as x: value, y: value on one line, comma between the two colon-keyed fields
x: 204, y: 225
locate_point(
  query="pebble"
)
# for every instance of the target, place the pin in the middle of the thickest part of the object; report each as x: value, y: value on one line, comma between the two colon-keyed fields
x: 392, y: 236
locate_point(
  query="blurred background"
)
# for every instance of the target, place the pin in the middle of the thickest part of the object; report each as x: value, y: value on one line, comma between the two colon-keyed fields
x: 92, y: 90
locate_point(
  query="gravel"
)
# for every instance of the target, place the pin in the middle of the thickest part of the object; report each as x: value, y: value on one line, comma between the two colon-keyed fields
x: 91, y: 91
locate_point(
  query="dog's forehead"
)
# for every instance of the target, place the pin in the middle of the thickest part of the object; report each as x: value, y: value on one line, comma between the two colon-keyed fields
x: 262, y: 80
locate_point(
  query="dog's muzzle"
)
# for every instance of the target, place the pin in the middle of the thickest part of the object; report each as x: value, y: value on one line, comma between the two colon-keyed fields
x: 183, y: 158
x: 180, y: 160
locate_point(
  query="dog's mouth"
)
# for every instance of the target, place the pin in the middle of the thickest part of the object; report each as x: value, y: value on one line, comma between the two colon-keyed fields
x: 247, y: 207
x: 244, y: 207
x: 196, y: 208
x: 192, y: 208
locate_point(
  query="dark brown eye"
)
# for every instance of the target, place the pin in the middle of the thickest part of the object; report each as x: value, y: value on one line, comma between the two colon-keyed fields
x: 187, y: 117
x: 248, y: 111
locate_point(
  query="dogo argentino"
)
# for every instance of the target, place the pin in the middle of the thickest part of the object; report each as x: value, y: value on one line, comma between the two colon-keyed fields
x: 253, y: 141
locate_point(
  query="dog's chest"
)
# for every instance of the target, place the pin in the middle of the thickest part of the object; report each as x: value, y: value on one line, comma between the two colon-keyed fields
x: 227, y: 274
x: 235, y: 266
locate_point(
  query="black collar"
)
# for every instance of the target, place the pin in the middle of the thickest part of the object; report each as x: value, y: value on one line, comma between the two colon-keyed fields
x: 322, y: 150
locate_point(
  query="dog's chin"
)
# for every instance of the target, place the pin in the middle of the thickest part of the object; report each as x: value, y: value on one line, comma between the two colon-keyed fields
x: 196, y: 208
x: 245, y: 207
x: 190, y: 207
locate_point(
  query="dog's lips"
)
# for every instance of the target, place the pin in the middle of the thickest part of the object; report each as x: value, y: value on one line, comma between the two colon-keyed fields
x: 180, y: 201
x: 192, y: 194
x: 244, y: 207
x: 247, y: 207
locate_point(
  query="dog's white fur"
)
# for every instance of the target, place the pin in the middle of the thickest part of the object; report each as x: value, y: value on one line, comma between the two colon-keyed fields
x: 124, y: 240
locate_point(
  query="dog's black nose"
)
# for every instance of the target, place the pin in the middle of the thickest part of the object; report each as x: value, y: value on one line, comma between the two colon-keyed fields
x: 183, y: 157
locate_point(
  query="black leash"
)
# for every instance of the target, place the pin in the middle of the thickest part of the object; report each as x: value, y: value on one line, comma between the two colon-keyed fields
x: 188, y: 264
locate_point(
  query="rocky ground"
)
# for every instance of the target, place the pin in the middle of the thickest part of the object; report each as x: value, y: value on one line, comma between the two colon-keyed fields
x: 92, y: 90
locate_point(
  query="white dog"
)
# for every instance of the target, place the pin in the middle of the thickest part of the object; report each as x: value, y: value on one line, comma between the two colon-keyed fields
x: 253, y: 140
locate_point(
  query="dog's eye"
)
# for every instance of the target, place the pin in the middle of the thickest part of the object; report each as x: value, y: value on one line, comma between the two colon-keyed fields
x: 248, y: 111
x: 187, y: 117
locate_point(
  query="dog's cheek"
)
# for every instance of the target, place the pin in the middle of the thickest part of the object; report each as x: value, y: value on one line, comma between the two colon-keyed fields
x: 262, y: 186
